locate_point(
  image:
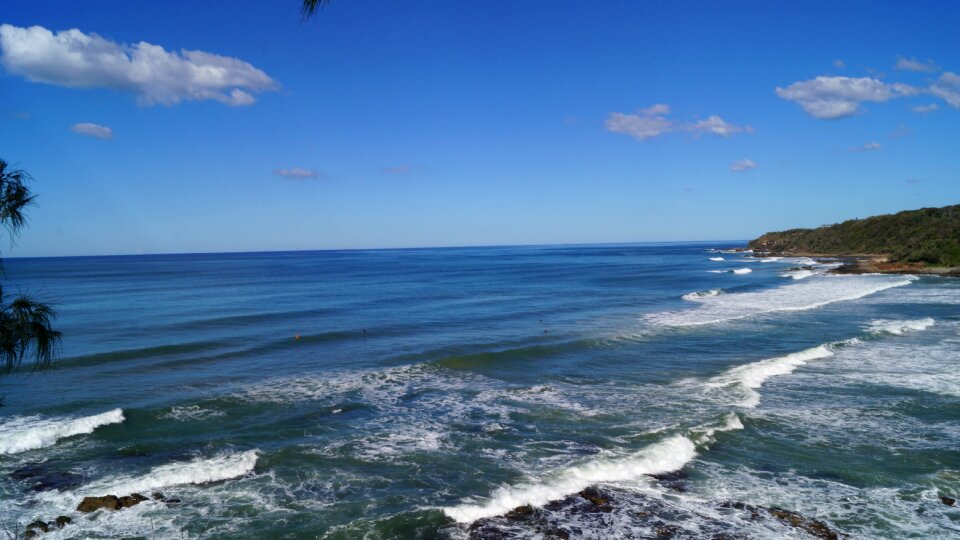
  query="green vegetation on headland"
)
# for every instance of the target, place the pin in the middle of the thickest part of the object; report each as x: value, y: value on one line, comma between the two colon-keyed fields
x: 909, y: 240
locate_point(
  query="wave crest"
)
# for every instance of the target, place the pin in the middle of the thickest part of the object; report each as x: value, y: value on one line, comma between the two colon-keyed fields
x: 30, y: 433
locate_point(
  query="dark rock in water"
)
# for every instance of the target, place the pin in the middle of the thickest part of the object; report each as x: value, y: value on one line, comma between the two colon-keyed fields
x: 92, y: 504
x: 132, y: 500
x: 599, y: 499
x: 813, y: 527
x: 949, y: 501
x: 63, y: 521
x: 611, y: 513
x: 520, y: 513
x: 675, y: 480
x: 593, y: 495
x: 38, y: 526
x: 173, y: 501
x: 30, y: 533
x: 664, y: 530
x: 42, y: 478
x: 157, y: 496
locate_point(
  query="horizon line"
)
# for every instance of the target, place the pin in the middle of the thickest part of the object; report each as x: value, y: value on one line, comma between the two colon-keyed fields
x: 413, y: 248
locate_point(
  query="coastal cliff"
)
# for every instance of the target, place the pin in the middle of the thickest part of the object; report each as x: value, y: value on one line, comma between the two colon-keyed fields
x: 914, y: 241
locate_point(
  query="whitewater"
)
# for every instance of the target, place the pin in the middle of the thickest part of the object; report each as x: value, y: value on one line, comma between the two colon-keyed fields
x: 603, y: 391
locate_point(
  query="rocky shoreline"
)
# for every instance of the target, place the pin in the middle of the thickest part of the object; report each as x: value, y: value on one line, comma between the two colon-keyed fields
x: 863, y: 263
x: 599, y: 511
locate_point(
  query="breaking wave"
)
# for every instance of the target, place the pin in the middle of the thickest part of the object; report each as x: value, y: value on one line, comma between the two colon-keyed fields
x: 702, y: 294
x: 197, y: 471
x: 29, y: 433
x: 898, y: 328
x: 807, y: 294
x: 667, y: 455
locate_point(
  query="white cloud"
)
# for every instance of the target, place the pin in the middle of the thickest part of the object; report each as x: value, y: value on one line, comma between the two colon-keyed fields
x: 638, y: 126
x: 924, y: 109
x: 296, y: 173
x: 743, y: 165
x: 656, y: 110
x: 828, y: 98
x: 867, y: 147
x: 717, y: 126
x: 74, y: 59
x: 948, y: 88
x: 93, y: 130
x: 912, y: 64
x: 652, y: 122
x: 839, y: 64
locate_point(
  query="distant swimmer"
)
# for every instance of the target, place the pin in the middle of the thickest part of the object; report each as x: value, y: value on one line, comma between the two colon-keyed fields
x: 296, y: 337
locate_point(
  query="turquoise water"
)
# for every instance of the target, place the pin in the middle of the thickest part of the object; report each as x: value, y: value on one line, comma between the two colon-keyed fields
x: 408, y: 393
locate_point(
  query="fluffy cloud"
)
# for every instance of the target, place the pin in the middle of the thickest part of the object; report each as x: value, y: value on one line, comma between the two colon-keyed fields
x: 867, y: 147
x: 638, y: 126
x: 828, y: 98
x: 743, y: 165
x: 912, y: 64
x: 716, y: 126
x: 93, y: 130
x: 652, y: 122
x: 296, y: 173
x: 947, y: 88
x: 73, y: 59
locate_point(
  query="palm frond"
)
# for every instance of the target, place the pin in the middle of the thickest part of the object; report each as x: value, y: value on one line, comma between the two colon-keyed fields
x: 26, y: 330
x: 311, y: 6
x: 15, y: 196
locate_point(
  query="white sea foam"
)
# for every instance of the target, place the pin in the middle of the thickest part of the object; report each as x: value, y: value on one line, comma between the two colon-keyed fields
x: 667, y: 455
x: 742, y: 271
x: 770, y: 259
x: 798, y: 274
x: 748, y: 378
x: 717, y: 258
x: 197, y: 471
x: 190, y: 412
x: 20, y: 434
x: 815, y: 292
x: 898, y: 328
x: 702, y: 294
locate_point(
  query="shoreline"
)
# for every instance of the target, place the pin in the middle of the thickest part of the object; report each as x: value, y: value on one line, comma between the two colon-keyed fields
x: 867, y: 264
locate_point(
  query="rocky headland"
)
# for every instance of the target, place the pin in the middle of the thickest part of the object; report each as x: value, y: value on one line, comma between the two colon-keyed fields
x: 924, y: 241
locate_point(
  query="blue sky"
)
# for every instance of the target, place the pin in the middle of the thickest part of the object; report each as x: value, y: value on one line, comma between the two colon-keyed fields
x: 438, y: 123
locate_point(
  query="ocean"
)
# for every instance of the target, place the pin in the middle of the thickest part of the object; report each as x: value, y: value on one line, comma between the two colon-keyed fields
x: 427, y: 393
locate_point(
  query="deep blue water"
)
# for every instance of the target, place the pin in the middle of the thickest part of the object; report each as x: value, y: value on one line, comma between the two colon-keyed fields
x: 407, y: 393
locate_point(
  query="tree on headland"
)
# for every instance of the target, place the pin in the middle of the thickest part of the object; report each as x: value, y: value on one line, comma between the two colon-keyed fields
x: 26, y: 329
